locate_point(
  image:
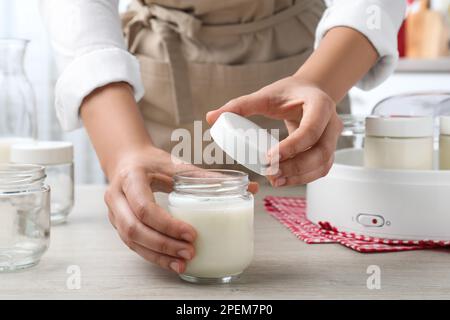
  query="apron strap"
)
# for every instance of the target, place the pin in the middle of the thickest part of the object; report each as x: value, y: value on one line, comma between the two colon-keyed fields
x: 179, y: 74
x: 166, y: 23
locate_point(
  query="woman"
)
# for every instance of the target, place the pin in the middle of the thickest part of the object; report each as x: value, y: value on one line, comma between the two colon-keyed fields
x: 254, y: 57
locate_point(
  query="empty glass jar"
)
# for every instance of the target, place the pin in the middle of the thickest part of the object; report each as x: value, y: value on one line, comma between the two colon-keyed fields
x: 17, y: 101
x: 57, y: 157
x: 24, y: 216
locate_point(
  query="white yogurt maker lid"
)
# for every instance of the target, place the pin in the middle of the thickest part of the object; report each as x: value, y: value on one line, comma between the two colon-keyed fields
x: 244, y: 141
x: 399, y: 126
x: 42, y: 152
x: 444, y: 125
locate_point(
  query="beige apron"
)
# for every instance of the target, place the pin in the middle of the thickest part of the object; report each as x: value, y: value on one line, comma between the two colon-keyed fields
x: 196, y: 55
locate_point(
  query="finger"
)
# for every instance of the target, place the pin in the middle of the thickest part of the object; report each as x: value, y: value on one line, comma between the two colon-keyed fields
x: 118, y: 208
x: 112, y: 219
x: 311, y: 163
x: 164, y: 261
x: 253, y: 187
x: 155, y: 241
x: 160, y: 182
x: 314, y: 157
x: 251, y: 104
x: 138, y: 193
x: 305, y: 178
x: 121, y: 215
x: 132, y: 231
x: 310, y: 176
x: 316, y: 115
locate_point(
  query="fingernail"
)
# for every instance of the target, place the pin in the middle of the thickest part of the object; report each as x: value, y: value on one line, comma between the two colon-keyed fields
x: 280, y: 182
x: 185, y: 254
x: 175, y: 266
x: 187, y: 237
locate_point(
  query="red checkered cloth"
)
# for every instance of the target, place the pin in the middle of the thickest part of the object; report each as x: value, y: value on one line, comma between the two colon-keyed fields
x: 291, y: 212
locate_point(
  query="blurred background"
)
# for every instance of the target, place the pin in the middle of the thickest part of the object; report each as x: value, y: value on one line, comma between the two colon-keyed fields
x: 22, y: 19
x: 424, y: 66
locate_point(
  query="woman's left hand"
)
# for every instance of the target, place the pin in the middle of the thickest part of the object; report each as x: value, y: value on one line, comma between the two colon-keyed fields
x: 311, y: 119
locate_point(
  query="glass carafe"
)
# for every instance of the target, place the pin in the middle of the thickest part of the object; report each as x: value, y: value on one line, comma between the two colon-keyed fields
x: 17, y: 101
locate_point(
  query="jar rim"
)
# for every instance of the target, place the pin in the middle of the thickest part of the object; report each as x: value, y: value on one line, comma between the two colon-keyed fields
x: 16, y: 177
x: 211, y: 182
x: 205, y: 174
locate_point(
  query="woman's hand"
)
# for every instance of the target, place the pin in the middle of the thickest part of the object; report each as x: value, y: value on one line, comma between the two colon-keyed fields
x: 311, y: 119
x: 306, y: 102
x: 136, y: 169
x: 142, y: 224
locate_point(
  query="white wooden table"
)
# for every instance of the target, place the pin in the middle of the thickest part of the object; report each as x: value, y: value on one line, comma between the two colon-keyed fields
x: 283, y: 267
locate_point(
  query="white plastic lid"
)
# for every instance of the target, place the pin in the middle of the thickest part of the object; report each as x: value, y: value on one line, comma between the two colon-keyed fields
x: 444, y: 125
x: 42, y: 152
x: 244, y: 141
x: 5, y: 146
x: 399, y: 126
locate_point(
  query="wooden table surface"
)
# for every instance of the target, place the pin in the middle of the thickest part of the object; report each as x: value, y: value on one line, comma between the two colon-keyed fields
x: 283, y: 268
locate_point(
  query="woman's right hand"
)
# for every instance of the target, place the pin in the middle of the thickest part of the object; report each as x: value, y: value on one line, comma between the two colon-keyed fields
x: 142, y: 224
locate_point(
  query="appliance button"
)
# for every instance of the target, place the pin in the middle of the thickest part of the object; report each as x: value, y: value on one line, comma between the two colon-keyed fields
x: 370, y: 220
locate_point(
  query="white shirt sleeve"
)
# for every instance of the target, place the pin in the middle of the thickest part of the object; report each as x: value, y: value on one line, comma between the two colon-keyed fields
x: 379, y: 21
x: 90, y: 53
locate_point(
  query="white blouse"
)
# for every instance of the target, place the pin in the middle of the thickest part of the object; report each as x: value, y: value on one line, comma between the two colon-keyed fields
x: 88, y: 40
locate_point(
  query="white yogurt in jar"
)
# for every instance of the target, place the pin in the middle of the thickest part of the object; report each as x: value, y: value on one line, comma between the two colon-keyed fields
x: 224, y: 224
x: 399, y: 142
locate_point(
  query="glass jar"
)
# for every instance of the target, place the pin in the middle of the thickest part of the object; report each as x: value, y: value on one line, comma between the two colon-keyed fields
x: 399, y: 142
x: 352, y: 135
x: 24, y: 216
x: 17, y: 101
x: 444, y: 143
x: 217, y: 204
x: 57, y: 157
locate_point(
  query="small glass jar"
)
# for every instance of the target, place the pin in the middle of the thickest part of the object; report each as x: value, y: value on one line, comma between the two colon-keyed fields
x: 399, y: 142
x: 24, y: 216
x: 352, y: 135
x: 444, y: 143
x: 217, y: 204
x: 57, y: 157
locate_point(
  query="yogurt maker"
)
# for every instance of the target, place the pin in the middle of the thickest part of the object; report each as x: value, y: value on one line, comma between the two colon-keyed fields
x: 386, y: 203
